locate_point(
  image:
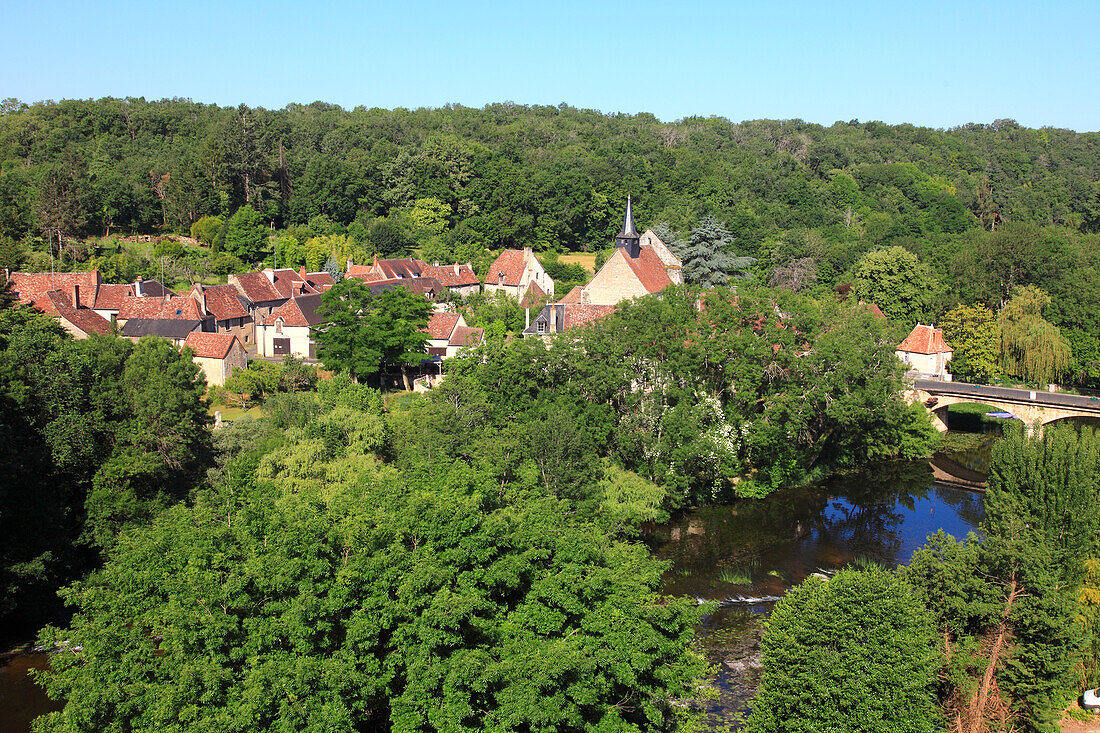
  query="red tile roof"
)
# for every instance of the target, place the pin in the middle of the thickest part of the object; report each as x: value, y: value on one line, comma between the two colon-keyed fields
x: 300, y: 311
x: 176, y: 308
x: 210, y: 345
x: 440, y: 325
x: 532, y: 295
x: 578, y: 314
x: 511, y: 262
x: 452, y: 276
x: 259, y: 289
x: 319, y: 281
x: 223, y: 302
x: 573, y: 296
x: 31, y: 287
x: 466, y: 336
x: 403, y: 267
x: 354, y: 269
x: 86, y: 319
x: 925, y: 340
x: 649, y: 269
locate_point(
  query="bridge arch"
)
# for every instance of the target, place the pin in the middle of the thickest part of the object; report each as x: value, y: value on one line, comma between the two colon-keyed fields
x: 1033, y: 407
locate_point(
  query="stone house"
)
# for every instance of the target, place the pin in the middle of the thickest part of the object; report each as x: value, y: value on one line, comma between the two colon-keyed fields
x: 457, y: 278
x: 514, y: 271
x: 641, y: 265
x: 924, y: 351
x: 268, y: 289
x: 559, y: 317
x: 228, y: 308
x: 288, y: 330
x: 448, y: 334
x: 217, y: 354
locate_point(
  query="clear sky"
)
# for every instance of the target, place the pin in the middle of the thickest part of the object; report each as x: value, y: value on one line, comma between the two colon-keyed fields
x: 922, y: 61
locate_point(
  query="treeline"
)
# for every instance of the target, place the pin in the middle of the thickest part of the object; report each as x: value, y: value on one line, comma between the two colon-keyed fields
x: 510, y: 175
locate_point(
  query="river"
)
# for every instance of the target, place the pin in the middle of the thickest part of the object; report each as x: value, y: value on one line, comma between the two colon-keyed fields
x: 745, y: 556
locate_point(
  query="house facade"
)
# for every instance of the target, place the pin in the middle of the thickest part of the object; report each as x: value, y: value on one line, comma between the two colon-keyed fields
x: 217, y: 354
x: 288, y: 330
x: 641, y: 265
x: 228, y: 309
x: 448, y: 334
x: 924, y: 351
x: 514, y: 271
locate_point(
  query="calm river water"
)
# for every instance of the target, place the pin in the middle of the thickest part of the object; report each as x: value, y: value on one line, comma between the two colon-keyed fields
x: 745, y: 556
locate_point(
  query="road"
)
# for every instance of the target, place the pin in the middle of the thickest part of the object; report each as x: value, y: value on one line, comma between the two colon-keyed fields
x: 977, y: 391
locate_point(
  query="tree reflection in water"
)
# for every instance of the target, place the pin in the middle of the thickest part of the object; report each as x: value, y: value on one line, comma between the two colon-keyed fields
x: 759, y: 548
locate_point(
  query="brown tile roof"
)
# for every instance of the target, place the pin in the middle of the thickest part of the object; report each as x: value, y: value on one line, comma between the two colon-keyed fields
x: 259, y: 289
x: 365, y: 275
x: 924, y: 340
x: 223, y: 302
x: 466, y: 336
x: 31, y: 287
x: 875, y: 310
x: 358, y: 270
x: 299, y: 311
x: 649, y: 269
x: 177, y: 308
x: 578, y: 314
x: 210, y: 345
x: 86, y: 319
x: 511, y: 262
x: 440, y: 325
x: 426, y: 286
x: 573, y: 296
x: 452, y: 276
x: 403, y: 267
x: 319, y: 281
x: 532, y: 295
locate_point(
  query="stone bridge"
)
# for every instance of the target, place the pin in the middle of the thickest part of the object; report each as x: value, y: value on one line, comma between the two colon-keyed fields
x: 1033, y: 407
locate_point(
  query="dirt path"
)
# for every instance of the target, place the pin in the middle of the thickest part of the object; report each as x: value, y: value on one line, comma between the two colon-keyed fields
x: 1071, y: 725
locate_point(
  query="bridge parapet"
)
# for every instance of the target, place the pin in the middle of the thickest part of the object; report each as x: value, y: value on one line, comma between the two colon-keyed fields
x: 1033, y: 407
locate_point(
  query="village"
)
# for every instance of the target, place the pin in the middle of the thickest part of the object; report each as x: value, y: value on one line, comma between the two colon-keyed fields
x: 271, y: 314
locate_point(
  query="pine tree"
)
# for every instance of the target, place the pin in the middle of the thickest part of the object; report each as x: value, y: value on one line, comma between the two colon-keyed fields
x: 706, y: 259
x: 332, y: 267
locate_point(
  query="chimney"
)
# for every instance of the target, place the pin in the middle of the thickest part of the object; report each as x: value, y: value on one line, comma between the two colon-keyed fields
x: 456, y: 269
x: 553, y: 318
x: 270, y: 274
x: 350, y: 263
x: 76, y: 295
x: 139, y: 287
x: 7, y: 274
x: 526, y: 318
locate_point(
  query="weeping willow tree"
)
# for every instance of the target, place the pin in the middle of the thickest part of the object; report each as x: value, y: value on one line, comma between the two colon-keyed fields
x: 1032, y: 348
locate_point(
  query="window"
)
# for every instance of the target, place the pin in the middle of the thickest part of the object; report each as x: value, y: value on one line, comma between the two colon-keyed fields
x: 540, y: 326
x: 278, y: 325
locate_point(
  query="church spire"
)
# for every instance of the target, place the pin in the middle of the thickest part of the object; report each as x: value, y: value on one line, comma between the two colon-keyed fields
x: 628, y: 237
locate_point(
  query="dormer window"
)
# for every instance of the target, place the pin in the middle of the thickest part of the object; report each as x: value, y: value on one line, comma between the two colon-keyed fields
x: 540, y: 326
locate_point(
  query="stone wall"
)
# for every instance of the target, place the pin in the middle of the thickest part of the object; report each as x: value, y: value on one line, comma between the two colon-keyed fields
x: 614, y: 283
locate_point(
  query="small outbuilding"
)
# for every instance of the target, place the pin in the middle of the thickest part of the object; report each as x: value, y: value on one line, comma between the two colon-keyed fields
x: 217, y: 354
x: 924, y: 351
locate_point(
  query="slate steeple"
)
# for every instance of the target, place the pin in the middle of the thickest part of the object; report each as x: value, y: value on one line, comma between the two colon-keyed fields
x: 628, y: 238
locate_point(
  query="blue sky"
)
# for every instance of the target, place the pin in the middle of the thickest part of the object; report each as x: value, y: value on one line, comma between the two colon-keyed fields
x: 927, y: 62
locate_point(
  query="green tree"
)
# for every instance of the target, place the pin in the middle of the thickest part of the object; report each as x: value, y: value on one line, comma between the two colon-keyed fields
x: 855, y: 653
x: 971, y: 330
x: 207, y: 229
x: 897, y: 282
x: 361, y: 331
x: 706, y: 257
x: 246, y: 235
x: 1032, y: 348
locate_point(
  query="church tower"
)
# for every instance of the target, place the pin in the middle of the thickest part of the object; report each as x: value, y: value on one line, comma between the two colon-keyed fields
x: 628, y: 238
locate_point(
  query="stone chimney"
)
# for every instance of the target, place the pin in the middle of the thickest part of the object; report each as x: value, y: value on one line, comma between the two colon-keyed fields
x: 526, y: 318
x: 270, y: 275
x: 553, y: 318
x: 350, y: 263
x: 456, y: 269
x: 139, y: 287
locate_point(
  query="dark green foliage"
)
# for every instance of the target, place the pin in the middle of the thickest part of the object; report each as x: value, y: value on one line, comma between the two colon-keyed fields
x: 1026, y: 569
x: 361, y: 332
x: 98, y: 434
x: 855, y: 653
x: 246, y: 235
x: 336, y: 593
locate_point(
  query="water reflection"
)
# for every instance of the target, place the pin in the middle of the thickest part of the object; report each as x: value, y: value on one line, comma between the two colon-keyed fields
x: 746, y: 555
x: 759, y: 548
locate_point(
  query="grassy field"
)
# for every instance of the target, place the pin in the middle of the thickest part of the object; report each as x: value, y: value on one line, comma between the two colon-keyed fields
x: 587, y: 260
x: 232, y: 413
